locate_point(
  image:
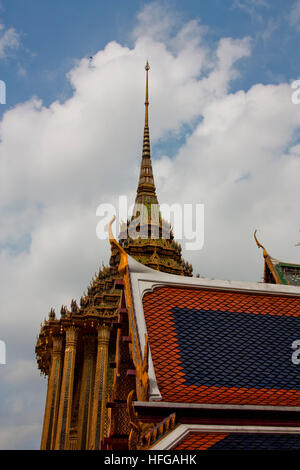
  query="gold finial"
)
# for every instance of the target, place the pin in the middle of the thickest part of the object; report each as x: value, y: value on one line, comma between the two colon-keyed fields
x: 123, y: 256
x: 110, y: 232
x: 147, y: 68
x: 259, y: 245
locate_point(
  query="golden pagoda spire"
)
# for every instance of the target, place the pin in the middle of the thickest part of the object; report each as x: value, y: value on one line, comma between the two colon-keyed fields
x: 146, y: 188
x: 147, y: 68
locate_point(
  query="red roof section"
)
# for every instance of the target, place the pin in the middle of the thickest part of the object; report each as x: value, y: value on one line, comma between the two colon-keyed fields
x: 166, y: 352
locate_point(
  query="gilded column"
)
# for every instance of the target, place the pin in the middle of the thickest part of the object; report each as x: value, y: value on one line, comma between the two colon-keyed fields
x: 66, y: 395
x: 53, y: 392
x: 99, y: 400
x: 86, y: 390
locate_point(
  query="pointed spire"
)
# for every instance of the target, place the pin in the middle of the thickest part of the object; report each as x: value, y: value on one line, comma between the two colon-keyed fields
x: 146, y: 188
x: 147, y: 68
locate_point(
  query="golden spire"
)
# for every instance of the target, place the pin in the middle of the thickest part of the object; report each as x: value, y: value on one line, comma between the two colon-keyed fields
x: 146, y: 187
x: 147, y: 68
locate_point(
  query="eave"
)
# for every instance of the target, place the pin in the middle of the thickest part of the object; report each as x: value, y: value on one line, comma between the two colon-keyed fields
x: 246, y: 415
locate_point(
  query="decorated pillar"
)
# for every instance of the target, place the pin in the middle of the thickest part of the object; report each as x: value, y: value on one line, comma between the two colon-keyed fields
x: 66, y: 395
x: 86, y: 390
x: 53, y: 392
x: 99, y: 399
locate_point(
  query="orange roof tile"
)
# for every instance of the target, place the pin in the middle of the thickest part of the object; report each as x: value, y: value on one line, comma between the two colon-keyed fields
x: 189, y: 330
x: 200, y: 441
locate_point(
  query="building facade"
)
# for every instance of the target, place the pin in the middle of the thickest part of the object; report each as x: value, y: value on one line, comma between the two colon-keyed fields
x: 153, y: 358
x: 77, y: 351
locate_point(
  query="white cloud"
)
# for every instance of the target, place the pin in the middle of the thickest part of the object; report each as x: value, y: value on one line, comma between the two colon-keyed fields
x: 9, y: 39
x: 20, y: 374
x: 252, y: 8
x: 156, y: 21
x: 271, y: 26
x: 22, y: 434
x: 294, y: 16
x: 236, y: 163
x: 58, y: 163
x: 22, y: 399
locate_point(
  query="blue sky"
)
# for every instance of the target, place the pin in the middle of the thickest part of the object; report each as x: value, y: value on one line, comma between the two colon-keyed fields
x: 55, y: 34
x: 223, y: 128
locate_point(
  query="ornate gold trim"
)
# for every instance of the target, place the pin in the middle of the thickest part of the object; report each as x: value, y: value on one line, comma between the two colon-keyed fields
x: 124, y: 260
x: 144, y: 435
x: 268, y: 260
x: 138, y: 428
x: 142, y: 377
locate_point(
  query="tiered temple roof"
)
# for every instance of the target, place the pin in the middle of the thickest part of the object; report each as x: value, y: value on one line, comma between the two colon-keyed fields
x: 219, y: 354
x: 153, y: 358
x: 76, y: 416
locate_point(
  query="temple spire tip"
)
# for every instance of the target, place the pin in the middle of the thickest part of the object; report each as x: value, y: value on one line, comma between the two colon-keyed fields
x: 147, y: 68
x: 146, y: 186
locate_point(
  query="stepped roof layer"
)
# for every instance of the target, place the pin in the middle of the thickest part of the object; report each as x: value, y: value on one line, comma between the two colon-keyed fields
x: 154, y: 246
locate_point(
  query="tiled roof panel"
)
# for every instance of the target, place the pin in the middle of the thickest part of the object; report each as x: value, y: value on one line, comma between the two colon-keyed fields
x: 239, y: 441
x: 224, y: 347
x: 200, y: 441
